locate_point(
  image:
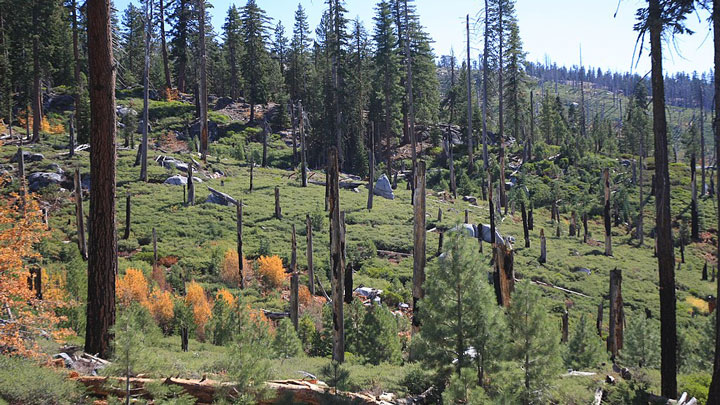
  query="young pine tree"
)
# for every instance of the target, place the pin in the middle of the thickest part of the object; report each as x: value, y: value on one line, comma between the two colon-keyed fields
x: 641, y: 342
x: 585, y: 348
x: 286, y: 343
x: 379, y: 341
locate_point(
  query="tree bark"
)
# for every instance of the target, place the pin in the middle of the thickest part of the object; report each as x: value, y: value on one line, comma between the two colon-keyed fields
x: 565, y: 326
x: 71, y: 146
x: 599, y: 320
x: 102, y: 246
x: 418, y: 244
x: 617, y: 314
x: 526, y: 232
x: 241, y: 261
x: 294, y: 132
x: 126, y: 235
x: 190, y: 185
x: 294, y: 286
x: 203, y: 81
x: 714, y: 392
x: 543, y: 247
x: 311, y: 270
x: 146, y: 93
x: 410, y: 105
x: 585, y: 227
x: 471, y: 160
x: 79, y: 216
x: 252, y: 166
x: 666, y: 262
x: 337, y: 256
x: 278, y: 211
x: 606, y: 213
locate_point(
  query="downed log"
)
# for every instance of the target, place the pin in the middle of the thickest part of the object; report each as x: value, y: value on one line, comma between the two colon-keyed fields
x: 224, y: 196
x: 392, y: 255
x: 544, y: 284
x: 348, y: 185
x: 203, y: 391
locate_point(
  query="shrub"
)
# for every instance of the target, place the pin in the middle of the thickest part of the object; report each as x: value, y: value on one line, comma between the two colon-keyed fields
x: 160, y: 305
x: 24, y: 382
x: 132, y: 287
x: 226, y: 296
x: 271, y: 270
x: 195, y: 297
x: 229, y: 269
x: 304, y: 296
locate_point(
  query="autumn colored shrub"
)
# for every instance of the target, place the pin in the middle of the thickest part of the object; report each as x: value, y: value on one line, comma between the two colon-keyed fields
x: 161, y: 305
x: 19, y: 232
x: 196, y: 298
x: 158, y: 276
x: 271, y: 270
x: 229, y: 269
x: 132, y: 287
x: 167, y: 261
x: 304, y: 296
x: 227, y: 296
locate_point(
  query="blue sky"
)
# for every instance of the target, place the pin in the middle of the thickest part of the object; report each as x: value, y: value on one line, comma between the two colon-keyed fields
x: 549, y: 28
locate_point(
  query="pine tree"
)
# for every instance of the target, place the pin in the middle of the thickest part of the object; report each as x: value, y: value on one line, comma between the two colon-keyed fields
x: 132, y: 43
x: 286, y: 344
x: 299, y: 64
x: 585, y: 348
x: 234, y: 49
x: 463, y: 389
x: 379, y: 341
x: 640, y: 344
x: 533, y: 344
x: 280, y: 47
x: 255, y: 60
x: 180, y: 16
x: 515, y: 90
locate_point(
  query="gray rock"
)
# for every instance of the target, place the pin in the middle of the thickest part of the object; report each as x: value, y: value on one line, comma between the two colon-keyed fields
x: 27, y: 157
x: 223, y: 102
x: 383, y: 188
x: 472, y: 200
x: 56, y: 168
x: 472, y: 231
x: 39, y: 180
x: 216, y: 199
x: 178, y: 180
x: 123, y: 111
x: 172, y: 163
x: 64, y: 102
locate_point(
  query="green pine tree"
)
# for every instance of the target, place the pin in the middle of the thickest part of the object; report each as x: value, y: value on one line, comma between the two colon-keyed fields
x: 585, y: 349
x: 641, y: 343
x: 379, y: 341
x: 255, y: 61
x: 286, y: 344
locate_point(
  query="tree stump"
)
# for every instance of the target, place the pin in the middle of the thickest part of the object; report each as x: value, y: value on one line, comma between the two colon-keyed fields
x: 278, y: 212
x: 543, y: 251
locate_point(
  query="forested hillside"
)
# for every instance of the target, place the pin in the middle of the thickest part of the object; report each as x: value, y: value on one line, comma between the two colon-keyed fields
x: 256, y: 213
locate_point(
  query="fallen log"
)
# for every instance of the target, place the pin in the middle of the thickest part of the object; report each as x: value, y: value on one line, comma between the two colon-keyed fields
x: 223, y: 196
x: 392, y: 254
x: 203, y: 390
x: 544, y: 284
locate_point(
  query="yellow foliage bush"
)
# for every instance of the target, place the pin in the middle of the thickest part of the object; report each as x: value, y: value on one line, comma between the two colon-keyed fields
x: 132, y: 287
x: 160, y: 305
x: 229, y: 270
x: 225, y: 295
x: 271, y: 270
x: 196, y: 298
x: 304, y: 296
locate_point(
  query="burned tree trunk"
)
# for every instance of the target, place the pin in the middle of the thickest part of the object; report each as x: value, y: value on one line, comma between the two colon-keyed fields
x: 418, y: 244
x: 565, y: 326
x: 294, y: 133
x: 526, y: 231
x: 241, y: 264
x: 599, y: 320
x: 553, y: 210
x: 348, y: 266
x: 278, y: 212
x: 530, y: 218
x: 126, y: 235
x: 79, y: 216
x: 451, y: 163
x: 21, y: 176
x: 371, y: 164
x: 441, y: 237
x: 704, y: 273
x: 504, y: 275
x: 337, y: 256
x: 606, y: 213
x: 71, y: 146
x: 303, y: 155
x: 617, y: 314
x: 467, y: 216
x: 543, y: 247
x: 252, y: 166
x: 311, y: 270
x: 190, y: 185
x: 184, y: 338
x: 294, y: 281
x: 695, y: 224
x: 585, y: 227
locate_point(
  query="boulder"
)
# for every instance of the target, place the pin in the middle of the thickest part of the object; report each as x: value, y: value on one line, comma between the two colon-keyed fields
x: 472, y: 200
x: 472, y: 231
x: 55, y: 168
x: 223, y: 102
x: 172, y: 163
x: 123, y: 111
x: 27, y: 157
x: 216, y: 199
x: 39, y: 180
x: 383, y: 188
x: 60, y: 103
x: 178, y: 180
x: 213, y: 131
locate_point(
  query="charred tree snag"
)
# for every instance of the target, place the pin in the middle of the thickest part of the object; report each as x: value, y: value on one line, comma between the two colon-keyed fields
x: 337, y: 256
x: 565, y: 326
x: 467, y: 216
x: 311, y: 270
x: 303, y: 155
x: 504, y: 276
x: 21, y: 176
x: 553, y: 210
x: 639, y: 231
x: 102, y: 245
x: 666, y: 261
x: 371, y: 164
x: 190, y: 185
x: 704, y: 272
x: 419, y: 258
x: 695, y: 225
x: 573, y: 224
x: 348, y: 266
x: 526, y: 231
x: 241, y: 264
x: 599, y: 321
x: 294, y: 281
x: 441, y: 236
x: 714, y: 392
x: 278, y: 212
x: 617, y: 315
x: 126, y: 235
x: 543, y: 247
x: 530, y: 218
x: 79, y: 215
x: 606, y: 213
x: 471, y: 160
x: 184, y: 338
x: 585, y: 227
x: 252, y: 166
x: 71, y: 146
x: 293, y: 121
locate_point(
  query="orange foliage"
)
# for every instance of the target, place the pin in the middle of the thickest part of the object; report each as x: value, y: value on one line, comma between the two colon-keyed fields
x: 161, y: 307
x: 196, y: 298
x: 3, y: 127
x: 229, y: 272
x: 131, y: 287
x: 225, y: 295
x: 260, y: 320
x: 30, y: 316
x: 271, y: 270
x: 168, y: 261
x: 171, y: 94
x: 45, y: 126
x: 304, y: 296
x: 158, y: 276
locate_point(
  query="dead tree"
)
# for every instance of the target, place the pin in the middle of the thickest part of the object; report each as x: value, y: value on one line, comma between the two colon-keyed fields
x: 265, y: 141
x: 146, y: 92
x: 543, y: 251
x: 203, y: 81
x: 565, y: 325
x: 184, y: 338
x: 441, y: 236
x: 303, y: 156
x: 79, y: 216
x: 704, y: 272
x: 371, y: 163
x: 21, y: 176
x: 278, y: 212
x: 311, y: 270
x: 102, y: 246
x: 606, y: 213
x: 294, y: 282
x: 467, y: 216
x: 639, y: 231
x: 526, y: 231
x: 241, y: 264
x: 294, y: 132
x: 126, y: 235
x: 617, y: 315
x: 348, y: 280
x: 252, y: 166
x: 190, y: 185
x: 695, y: 223
x: 599, y: 320
x: 418, y: 244
x: 531, y: 220
x: 71, y: 146
x: 585, y: 227
x: 471, y: 162
x: 573, y: 224
x: 504, y: 275
x: 337, y: 256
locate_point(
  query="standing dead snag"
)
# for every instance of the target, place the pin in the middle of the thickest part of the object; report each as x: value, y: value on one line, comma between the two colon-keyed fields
x: 371, y: 164
x: 704, y: 272
x: 565, y: 324
x: 190, y: 185
x: 573, y: 224
x: 606, y: 213
x: 294, y: 310
x: 303, y: 158
x: 71, y: 146
x: 278, y: 212
x: 348, y: 280
x: 126, y: 235
x: 617, y: 315
x: 79, y: 216
x: 252, y: 166
x: 311, y: 270
x: 203, y: 80
x: 714, y: 391
x: 419, y: 258
x: 695, y: 226
x: 504, y: 275
x: 239, y: 214
x: 585, y: 227
x: 531, y: 219
x: 337, y: 255
x: 543, y: 252
x: 265, y: 141
x: 526, y: 232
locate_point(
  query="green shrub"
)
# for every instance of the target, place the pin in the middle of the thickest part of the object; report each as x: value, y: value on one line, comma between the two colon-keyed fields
x: 24, y: 382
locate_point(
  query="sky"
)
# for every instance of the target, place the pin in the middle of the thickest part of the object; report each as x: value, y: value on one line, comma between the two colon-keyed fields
x: 553, y: 30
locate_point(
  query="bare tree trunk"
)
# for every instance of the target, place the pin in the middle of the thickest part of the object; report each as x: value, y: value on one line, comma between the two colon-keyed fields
x: 163, y: 44
x: 599, y: 320
x: 640, y: 231
x: 21, y: 176
x: 694, y: 225
x: 526, y: 232
x: 543, y: 248
x: 451, y: 163
x: 72, y: 136
x: 666, y: 261
x: 311, y: 270
x: 410, y: 106
x: 565, y: 326
x: 241, y: 261
x: 418, y: 244
x: 606, y: 213
x: 203, y: 82
x: 471, y: 160
x: 337, y: 256
x: 303, y: 156
x: 617, y: 314
x: 37, y: 89
x: 702, y: 141
x: 714, y: 392
x: 76, y: 60
x: 486, y: 72
x: 102, y: 246
x: 252, y: 166
x: 79, y: 216
x: 146, y: 93
x: 190, y: 185
x: 126, y: 235
x: 501, y: 122
x: 371, y: 163
x: 278, y: 211
x: 265, y: 141
x: 294, y: 286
